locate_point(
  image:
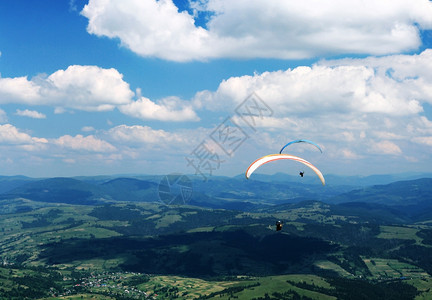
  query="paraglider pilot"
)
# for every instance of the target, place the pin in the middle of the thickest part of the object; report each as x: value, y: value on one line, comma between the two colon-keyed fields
x: 279, y: 225
x: 301, y: 173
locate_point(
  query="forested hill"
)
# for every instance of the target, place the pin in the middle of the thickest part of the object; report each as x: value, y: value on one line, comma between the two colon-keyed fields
x: 401, y: 193
x: 59, y: 234
x: 218, y: 192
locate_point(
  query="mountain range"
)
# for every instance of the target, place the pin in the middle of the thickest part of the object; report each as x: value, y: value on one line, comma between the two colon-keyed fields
x: 336, y: 234
x: 410, y: 197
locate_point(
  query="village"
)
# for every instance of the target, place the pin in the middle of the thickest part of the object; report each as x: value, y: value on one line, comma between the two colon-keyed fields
x: 119, y: 285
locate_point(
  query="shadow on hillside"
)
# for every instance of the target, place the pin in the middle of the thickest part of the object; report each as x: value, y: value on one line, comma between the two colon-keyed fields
x: 197, y: 254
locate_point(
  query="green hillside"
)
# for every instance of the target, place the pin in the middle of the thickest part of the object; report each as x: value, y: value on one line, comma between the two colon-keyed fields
x: 403, y: 193
x: 56, y: 242
x: 58, y: 190
x: 340, y: 250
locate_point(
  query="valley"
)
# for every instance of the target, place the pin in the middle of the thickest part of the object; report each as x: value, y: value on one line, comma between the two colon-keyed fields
x: 91, y: 245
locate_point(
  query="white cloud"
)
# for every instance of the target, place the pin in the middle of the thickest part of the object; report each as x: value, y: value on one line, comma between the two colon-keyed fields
x: 10, y: 135
x: 72, y: 5
x: 84, y: 143
x: 355, y: 106
x: 265, y: 29
x: 322, y: 89
x: 148, y: 26
x: 168, y: 109
x: 59, y: 110
x: 361, y: 86
x: 123, y: 147
x: 18, y: 88
x: 349, y: 154
x: 388, y: 135
x: 88, y: 88
x: 425, y: 140
x: 386, y: 147
x: 142, y: 135
x: 30, y: 113
x: 398, y: 76
x: 87, y: 128
x: 3, y: 116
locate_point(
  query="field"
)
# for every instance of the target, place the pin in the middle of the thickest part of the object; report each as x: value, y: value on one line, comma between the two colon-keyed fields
x: 281, y: 284
x: 331, y: 266
x: 399, y: 232
x: 145, y: 250
x: 391, y: 268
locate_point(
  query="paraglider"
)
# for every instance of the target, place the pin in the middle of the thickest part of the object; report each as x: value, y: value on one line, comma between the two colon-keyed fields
x: 279, y: 225
x: 301, y: 141
x: 274, y: 157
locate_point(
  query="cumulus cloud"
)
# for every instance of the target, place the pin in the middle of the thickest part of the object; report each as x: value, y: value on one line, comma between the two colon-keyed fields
x: 264, y: 29
x: 364, y: 106
x: 87, y: 128
x: 168, y: 109
x: 88, y: 88
x: 18, y: 89
x: 10, y: 135
x: 349, y: 154
x: 386, y: 147
x: 30, y: 113
x: 148, y: 26
x: 142, y: 135
x: 91, y: 87
x: 83, y: 143
x: 403, y: 77
x: 59, y: 110
x: 134, y: 146
x: 363, y: 86
x: 426, y: 140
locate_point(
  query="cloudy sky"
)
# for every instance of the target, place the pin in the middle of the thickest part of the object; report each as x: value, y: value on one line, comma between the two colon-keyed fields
x: 207, y: 86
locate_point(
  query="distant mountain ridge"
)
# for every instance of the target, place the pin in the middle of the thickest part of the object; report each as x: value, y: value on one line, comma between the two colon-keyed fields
x: 401, y: 193
x: 412, y: 198
x: 58, y: 190
x: 338, y: 180
x: 130, y: 189
x: 219, y: 192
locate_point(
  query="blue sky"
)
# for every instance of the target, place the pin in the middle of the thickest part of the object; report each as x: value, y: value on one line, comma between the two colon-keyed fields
x: 155, y: 87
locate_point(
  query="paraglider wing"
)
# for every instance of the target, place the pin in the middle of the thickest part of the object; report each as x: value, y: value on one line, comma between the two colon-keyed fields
x: 272, y: 157
x: 301, y: 141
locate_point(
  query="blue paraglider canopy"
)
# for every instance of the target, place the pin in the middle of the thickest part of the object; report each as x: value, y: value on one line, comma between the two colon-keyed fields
x: 301, y: 141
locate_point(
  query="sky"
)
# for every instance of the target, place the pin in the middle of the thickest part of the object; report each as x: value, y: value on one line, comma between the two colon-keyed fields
x: 205, y: 87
